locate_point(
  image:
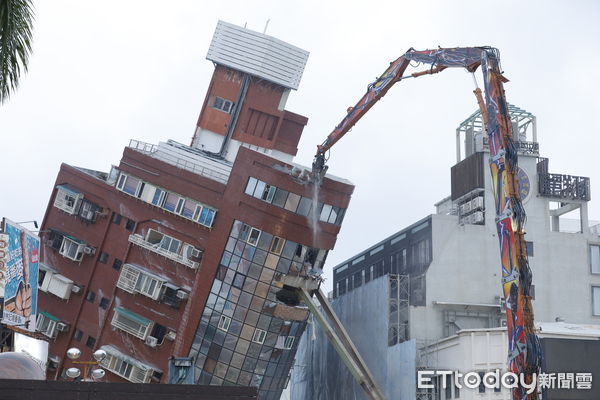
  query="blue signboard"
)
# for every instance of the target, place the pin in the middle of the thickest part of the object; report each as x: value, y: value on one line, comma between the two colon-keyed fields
x: 21, y: 277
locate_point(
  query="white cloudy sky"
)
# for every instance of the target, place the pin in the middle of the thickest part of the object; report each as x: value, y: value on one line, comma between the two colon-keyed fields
x: 105, y: 72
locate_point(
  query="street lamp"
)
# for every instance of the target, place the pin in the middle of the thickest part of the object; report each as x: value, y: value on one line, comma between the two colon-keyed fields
x: 88, y: 366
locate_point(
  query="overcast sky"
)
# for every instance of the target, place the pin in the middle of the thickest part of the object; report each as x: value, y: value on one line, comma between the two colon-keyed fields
x: 105, y: 72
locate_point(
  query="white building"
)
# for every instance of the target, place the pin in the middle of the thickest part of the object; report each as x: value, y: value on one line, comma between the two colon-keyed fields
x: 448, y: 263
x: 484, y: 351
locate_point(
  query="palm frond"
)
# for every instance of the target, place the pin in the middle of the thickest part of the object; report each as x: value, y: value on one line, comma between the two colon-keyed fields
x: 16, y: 20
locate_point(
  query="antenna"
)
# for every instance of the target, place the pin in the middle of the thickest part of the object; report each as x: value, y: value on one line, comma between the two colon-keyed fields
x: 267, y: 25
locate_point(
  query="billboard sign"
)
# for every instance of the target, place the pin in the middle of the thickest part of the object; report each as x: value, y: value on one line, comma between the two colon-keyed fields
x: 3, y: 260
x: 20, y: 277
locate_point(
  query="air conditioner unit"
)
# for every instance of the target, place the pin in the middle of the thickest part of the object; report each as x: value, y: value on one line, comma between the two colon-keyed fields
x: 182, y: 294
x: 477, y: 217
x: 477, y: 203
x: 466, y: 207
x: 62, y: 327
x: 151, y: 341
x: 75, y: 289
x: 89, y: 250
x: 48, y: 243
x: 195, y: 265
x: 171, y: 335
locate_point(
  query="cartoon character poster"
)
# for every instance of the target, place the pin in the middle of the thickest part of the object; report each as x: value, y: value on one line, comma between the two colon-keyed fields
x: 21, y: 277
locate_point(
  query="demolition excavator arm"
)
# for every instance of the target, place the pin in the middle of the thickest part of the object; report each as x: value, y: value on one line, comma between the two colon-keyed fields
x: 524, y: 351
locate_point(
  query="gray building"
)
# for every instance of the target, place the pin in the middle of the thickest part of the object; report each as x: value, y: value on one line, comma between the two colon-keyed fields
x: 447, y: 270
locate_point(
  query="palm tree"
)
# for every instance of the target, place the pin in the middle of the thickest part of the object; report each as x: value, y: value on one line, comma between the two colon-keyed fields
x: 16, y: 18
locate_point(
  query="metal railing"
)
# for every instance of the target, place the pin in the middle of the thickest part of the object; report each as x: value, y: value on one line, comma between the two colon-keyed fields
x: 138, y: 240
x: 209, y: 171
x: 143, y: 146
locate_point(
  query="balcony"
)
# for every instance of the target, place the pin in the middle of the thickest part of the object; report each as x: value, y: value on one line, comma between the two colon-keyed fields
x: 139, y: 240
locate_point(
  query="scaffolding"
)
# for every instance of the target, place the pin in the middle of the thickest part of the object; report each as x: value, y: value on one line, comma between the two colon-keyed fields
x: 398, y: 327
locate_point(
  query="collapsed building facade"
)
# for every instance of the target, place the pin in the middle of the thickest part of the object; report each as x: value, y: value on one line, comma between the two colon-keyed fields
x: 180, y: 250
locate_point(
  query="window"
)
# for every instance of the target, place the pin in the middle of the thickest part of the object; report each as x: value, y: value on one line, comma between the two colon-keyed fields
x: 171, y: 201
x: 116, y: 219
x: 130, y: 185
x: 127, y: 368
x: 163, y: 241
x: 596, y: 300
x: 224, y: 323
x: 77, y: 335
x: 277, y: 245
x: 357, y: 279
x: 130, y: 225
x: 420, y: 252
x: 289, y: 342
x: 204, y: 215
x: 169, y: 296
x: 268, y: 193
x: 159, y: 197
x: 259, y: 336
x: 304, y: 206
x: 325, y: 212
x: 254, y: 236
x: 72, y: 249
x: 595, y: 258
x: 91, y: 296
x: 251, y: 186
x: 131, y: 322
x: 148, y: 286
x: 67, y: 200
x: 134, y: 280
x: 104, y: 302
x: 46, y: 324
x: 117, y: 264
x: 529, y: 248
x: 88, y: 210
x: 103, y: 258
x: 55, y: 240
x: 292, y: 201
x: 280, y: 197
x: 90, y: 342
x: 222, y: 104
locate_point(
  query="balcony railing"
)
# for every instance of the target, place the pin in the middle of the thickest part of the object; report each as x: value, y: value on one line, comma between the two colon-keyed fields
x: 143, y: 146
x: 139, y: 240
x: 185, y: 157
x: 566, y: 187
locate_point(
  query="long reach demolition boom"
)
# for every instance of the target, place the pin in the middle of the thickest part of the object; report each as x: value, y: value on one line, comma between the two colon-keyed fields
x: 524, y: 350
